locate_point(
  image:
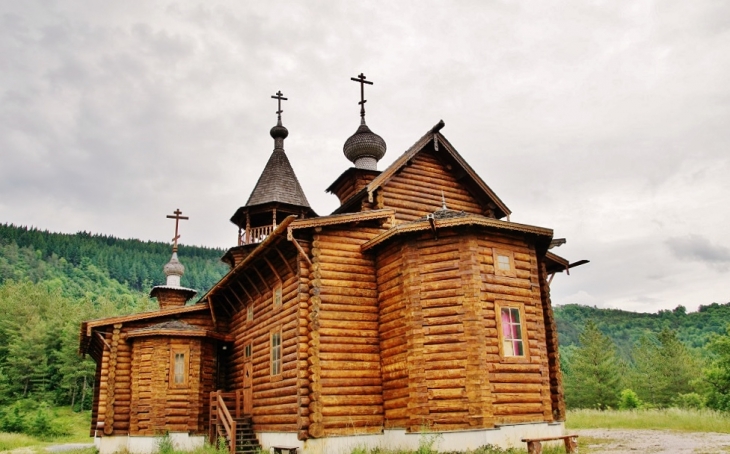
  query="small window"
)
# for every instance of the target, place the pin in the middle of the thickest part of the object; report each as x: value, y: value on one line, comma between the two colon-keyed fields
x: 276, y: 353
x: 249, y: 313
x: 247, y: 351
x: 511, y: 321
x: 504, y: 262
x: 179, y: 368
x: 277, y: 296
x: 179, y: 358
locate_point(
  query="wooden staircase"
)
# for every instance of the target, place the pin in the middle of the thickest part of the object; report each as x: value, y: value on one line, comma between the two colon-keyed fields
x: 236, y: 428
x: 246, y: 441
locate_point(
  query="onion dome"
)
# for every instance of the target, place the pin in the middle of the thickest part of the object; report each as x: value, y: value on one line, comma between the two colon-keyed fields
x: 279, y: 133
x: 364, y: 148
x: 174, y: 271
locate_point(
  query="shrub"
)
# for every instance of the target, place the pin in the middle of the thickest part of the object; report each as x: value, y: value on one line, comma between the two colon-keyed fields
x: 689, y: 400
x: 628, y: 400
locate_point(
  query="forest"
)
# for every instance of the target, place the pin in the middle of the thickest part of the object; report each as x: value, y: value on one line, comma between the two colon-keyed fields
x: 50, y: 282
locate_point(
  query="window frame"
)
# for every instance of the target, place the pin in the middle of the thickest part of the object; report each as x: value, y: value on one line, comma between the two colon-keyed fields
x: 276, y: 375
x: 248, y: 351
x: 280, y: 291
x: 496, y: 252
x: 185, y: 351
x: 498, y: 306
x: 249, y: 312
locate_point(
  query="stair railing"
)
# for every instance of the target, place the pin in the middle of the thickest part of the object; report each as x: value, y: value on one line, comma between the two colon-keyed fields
x: 222, y: 424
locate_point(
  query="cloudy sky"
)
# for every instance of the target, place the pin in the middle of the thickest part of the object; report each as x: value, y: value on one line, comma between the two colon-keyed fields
x: 608, y: 121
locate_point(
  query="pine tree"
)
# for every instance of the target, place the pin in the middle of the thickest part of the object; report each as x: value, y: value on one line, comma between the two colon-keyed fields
x: 595, y: 372
x: 717, y: 375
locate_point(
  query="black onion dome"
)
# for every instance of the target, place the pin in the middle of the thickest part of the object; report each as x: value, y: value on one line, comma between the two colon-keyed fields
x: 279, y: 132
x: 364, y: 143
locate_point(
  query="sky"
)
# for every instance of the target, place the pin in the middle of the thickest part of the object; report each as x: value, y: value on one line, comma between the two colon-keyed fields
x: 607, y: 121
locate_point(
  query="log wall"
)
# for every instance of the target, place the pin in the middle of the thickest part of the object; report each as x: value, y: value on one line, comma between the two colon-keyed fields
x: 393, y: 326
x: 158, y: 406
x: 551, y: 334
x: 441, y: 363
x: 520, y: 389
x: 123, y: 381
x: 344, y: 349
x: 415, y: 190
x: 276, y: 399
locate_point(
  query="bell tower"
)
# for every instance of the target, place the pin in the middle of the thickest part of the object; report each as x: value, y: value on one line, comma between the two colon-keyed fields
x: 277, y: 193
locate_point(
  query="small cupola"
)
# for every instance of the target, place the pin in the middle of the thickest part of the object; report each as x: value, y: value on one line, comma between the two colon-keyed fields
x: 364, y: 148
x: 172, y: 294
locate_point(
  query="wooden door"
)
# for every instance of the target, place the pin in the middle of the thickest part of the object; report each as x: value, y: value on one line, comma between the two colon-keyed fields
x: 247, y: 388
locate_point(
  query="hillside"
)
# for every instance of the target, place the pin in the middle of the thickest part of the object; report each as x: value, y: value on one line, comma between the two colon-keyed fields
x: 85, y: 261
x: 625, y: 328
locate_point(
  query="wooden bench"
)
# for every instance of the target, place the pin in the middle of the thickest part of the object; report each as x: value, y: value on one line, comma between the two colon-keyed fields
x: 534, y: 445
x: 287, y: 449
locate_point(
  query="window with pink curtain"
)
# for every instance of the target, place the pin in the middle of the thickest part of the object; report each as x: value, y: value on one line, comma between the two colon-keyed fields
x: 512, y: 332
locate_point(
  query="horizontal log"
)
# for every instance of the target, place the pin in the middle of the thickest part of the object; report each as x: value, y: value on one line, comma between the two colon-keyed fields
x: 350, y: 400
x: 517, y: 409
x: 447, y: 393
x: 334, y: 382
x: 515, y: 378
x: 352, y: 410
x: 349, y: 316
x: 361, y: 373
x: 502, y: 398
x: 352, y: 422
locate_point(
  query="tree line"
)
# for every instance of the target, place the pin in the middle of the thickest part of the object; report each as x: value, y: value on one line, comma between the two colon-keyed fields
x: 28, y: 251
x: 658, y: 371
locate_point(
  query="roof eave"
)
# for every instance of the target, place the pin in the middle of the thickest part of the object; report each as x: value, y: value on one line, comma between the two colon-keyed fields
x: 470, y: 220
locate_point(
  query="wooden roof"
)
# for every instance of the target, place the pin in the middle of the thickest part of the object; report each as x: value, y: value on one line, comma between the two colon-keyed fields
x: 278, y: 183
x: 88, y: 326
x: 454, y: 221
x: 176, y: 328
x: 342, y: 218
x: 441, y: 147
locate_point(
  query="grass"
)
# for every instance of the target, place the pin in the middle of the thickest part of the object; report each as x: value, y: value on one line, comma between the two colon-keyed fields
x: 668, y: 419
x: 77, y: 424
x: 14, y: 441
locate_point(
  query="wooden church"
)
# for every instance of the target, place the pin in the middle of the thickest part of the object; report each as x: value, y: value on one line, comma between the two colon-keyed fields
x: 416, y: 305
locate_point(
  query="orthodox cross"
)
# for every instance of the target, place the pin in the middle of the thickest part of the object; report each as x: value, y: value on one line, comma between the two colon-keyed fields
x: 280, y: 97
x: 177, y: 219
x: 361, y: 78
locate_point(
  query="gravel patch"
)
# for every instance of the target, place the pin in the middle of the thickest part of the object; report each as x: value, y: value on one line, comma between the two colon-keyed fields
x: 626, y: 441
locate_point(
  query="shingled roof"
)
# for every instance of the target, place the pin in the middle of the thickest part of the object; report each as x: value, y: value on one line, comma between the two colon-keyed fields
x: 278, y: 183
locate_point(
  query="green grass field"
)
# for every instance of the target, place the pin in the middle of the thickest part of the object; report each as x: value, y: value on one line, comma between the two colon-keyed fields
x: 669, y: 419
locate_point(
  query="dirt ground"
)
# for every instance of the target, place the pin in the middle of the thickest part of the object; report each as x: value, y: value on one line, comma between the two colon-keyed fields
x: 625, y: 441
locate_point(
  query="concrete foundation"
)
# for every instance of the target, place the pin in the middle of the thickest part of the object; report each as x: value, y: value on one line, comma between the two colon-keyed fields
x: 505, y: 436
x: 146, y: 444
